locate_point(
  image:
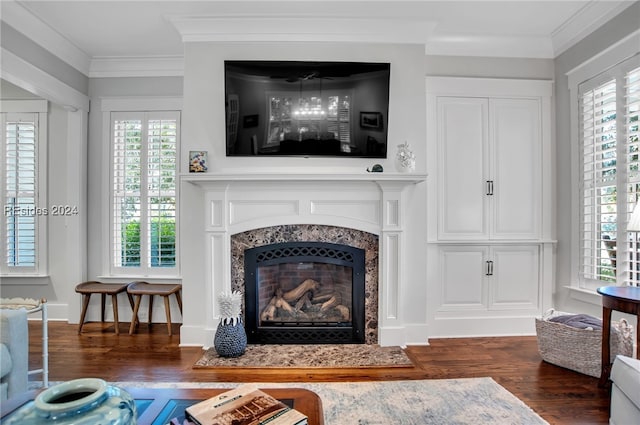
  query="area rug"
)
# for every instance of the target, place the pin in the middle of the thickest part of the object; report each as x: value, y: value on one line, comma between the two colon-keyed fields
x: 421, y: 402
x: 309, y: 356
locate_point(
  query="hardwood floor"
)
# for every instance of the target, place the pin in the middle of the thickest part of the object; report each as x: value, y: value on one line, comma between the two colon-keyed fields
x: 558, y: 395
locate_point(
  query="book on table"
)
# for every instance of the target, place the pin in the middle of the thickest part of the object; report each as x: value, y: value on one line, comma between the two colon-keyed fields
x: 244, y: 405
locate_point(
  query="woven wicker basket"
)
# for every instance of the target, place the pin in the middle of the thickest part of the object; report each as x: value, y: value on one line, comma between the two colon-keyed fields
x: 580, y: 349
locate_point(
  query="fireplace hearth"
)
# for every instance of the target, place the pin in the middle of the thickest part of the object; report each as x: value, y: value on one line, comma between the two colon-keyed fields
x: 305, y: 293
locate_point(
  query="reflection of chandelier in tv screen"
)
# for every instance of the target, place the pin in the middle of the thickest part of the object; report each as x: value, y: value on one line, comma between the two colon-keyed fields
x: 309, y: 107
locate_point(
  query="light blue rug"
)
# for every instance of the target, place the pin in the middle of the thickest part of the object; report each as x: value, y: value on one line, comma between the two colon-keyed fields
x: 421, y: 402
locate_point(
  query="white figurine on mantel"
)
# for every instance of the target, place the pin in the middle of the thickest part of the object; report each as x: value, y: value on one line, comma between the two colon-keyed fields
x: 405, y: 159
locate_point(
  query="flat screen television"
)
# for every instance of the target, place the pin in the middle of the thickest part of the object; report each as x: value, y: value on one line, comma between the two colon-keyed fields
x: 304, y: 108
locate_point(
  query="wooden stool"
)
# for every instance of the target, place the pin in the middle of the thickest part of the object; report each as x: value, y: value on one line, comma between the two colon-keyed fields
x: 104, y: 289
x: 138, y: 289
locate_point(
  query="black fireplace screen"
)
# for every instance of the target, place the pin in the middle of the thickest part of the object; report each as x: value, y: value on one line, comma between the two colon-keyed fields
x: 304, y: 293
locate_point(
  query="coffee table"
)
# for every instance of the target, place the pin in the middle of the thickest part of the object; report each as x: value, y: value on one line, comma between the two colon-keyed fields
x: 157, y: 406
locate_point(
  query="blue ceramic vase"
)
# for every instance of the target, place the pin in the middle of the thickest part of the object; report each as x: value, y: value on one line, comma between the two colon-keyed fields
x: 86, y: 401
x: 230, y: 339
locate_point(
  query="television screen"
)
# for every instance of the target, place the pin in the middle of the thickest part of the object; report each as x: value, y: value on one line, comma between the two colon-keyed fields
x: 303, y: 108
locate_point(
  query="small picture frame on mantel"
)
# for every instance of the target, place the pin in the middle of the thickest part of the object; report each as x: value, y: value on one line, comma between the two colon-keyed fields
x: 197, y: 161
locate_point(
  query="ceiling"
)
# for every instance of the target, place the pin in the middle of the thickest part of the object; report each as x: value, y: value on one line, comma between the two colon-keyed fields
x: 90, y: 32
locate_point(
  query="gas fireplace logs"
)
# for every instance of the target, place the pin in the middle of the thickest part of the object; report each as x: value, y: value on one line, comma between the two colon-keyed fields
x: 302, y: 303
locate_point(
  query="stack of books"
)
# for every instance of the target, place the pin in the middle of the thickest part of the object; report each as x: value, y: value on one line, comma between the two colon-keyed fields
x: 245, y: 405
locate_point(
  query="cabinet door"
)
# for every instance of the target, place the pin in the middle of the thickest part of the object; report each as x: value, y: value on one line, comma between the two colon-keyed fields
x: 463, y: 165
x: 516, y: 151
x: 463, y: 275
x: 515, y: 281
x: 489, y: 278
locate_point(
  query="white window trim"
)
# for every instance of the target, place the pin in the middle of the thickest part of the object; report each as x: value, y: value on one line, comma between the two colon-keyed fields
x: 589, y: 69
x: 40, y: 107
x: 132, y: 104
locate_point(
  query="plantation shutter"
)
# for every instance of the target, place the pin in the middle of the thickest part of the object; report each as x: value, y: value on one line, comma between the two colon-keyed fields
x: 609, y: 110
x: 144, y: 152
x: 339, y: 120
x: 279, y: 118
x: 597, y: 108
x: 161, y: 192
x: 632, y: 132
x: 127, y: 184
x: 20, y: 190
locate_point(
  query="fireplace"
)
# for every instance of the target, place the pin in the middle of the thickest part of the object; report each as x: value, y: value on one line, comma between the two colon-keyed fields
x: 305, y: 293
x: 363, y: 210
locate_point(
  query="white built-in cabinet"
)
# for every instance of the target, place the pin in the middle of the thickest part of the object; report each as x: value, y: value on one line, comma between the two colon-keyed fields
x: 490, y: 205
x: 490, y: 277
x: 489, y: 150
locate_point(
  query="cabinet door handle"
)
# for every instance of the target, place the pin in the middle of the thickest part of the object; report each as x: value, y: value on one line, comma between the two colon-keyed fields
x: 489, y: 187
x: 489, y: 268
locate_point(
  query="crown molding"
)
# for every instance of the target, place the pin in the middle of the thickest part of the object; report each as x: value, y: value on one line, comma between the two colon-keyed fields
x: 157, y: 66
x: 489, y: 46
x: 301, y: 28
x: 256, y: 28
x: 304, y: 28
x: 586, y: 20
x: 20, y: 18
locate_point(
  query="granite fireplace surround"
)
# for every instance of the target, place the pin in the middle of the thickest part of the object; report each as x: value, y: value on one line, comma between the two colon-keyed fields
x: 363, y: 210
x: 315, y: 233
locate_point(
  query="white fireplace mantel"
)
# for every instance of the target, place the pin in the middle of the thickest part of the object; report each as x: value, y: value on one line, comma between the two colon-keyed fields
x: 208, y: 179
x: 374, y: 202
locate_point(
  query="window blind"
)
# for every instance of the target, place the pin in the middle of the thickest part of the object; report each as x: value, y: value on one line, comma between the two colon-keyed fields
x: 20, y: 190
x: 599, y: 182
x: 161, y: 192
x: 339, y: 122
x: 632, y: 133
x: 609, y: 106
x: 127, y: 182
x: 144, y: 154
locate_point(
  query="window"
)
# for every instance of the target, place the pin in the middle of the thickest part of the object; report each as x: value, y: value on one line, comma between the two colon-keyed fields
x: 144, y: 192
x: 23, y: 147
x: 298, y: 116
x: 338, y: 119
x: 609, y: 108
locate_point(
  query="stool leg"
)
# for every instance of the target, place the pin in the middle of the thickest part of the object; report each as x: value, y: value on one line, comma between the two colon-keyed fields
x: 103, y: 297
x: 134, y: 319
x: 130, y: 297
x: 114, y: 302
x: 85, y: 304
x: 150, y: 310
x: 179, y: 299
x: 167, y: 310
